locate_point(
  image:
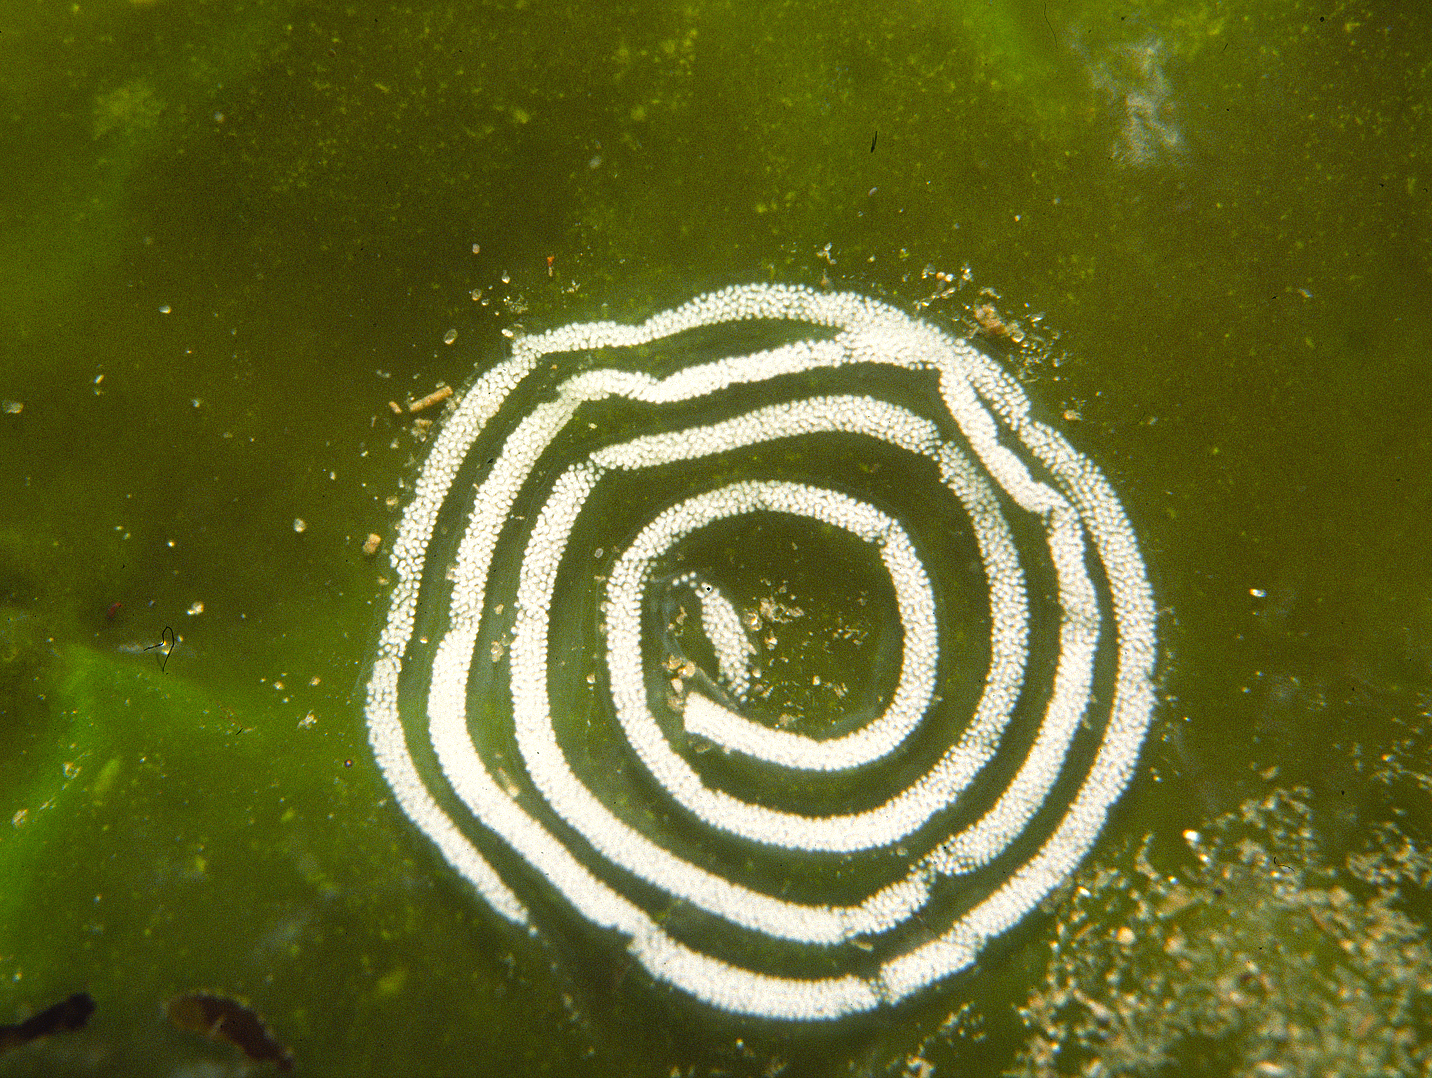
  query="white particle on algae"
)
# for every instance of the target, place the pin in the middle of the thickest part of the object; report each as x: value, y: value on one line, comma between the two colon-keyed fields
x: 195, y: 608
x: 983, y: 453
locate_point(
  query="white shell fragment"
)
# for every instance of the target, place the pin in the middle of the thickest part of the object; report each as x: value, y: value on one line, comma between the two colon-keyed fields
x: 489, y: 756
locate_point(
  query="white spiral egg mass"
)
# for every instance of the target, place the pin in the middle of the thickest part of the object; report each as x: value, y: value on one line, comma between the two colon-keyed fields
x: 773, y: 638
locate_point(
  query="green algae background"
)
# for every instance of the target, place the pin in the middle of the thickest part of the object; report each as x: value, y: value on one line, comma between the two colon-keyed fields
x: 231, y: 233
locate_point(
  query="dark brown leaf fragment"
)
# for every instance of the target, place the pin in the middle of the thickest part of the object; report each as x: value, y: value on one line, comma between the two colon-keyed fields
x: 71, y: 1014
x: 223, y: 1019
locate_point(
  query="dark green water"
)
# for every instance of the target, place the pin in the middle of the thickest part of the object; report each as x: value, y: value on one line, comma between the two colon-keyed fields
x: 230, y: 234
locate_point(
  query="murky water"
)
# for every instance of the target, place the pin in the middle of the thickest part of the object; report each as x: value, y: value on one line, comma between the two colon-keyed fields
x: 1196, y: 234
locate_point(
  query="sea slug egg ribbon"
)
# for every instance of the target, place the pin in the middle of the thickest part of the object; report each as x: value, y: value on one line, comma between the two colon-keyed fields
x: 1025, y: 495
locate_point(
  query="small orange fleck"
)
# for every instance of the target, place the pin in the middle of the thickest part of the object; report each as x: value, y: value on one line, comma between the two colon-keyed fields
x: 437, y: 396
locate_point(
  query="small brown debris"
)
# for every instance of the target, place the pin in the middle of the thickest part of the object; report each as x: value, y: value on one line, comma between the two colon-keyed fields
x: 437, y: 396
x: 395, y: 407
x: 987, y: 317
x: 63, y: 1017
x: 372, y: 543
x: 989, y: 321
x: 223, y: 1019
